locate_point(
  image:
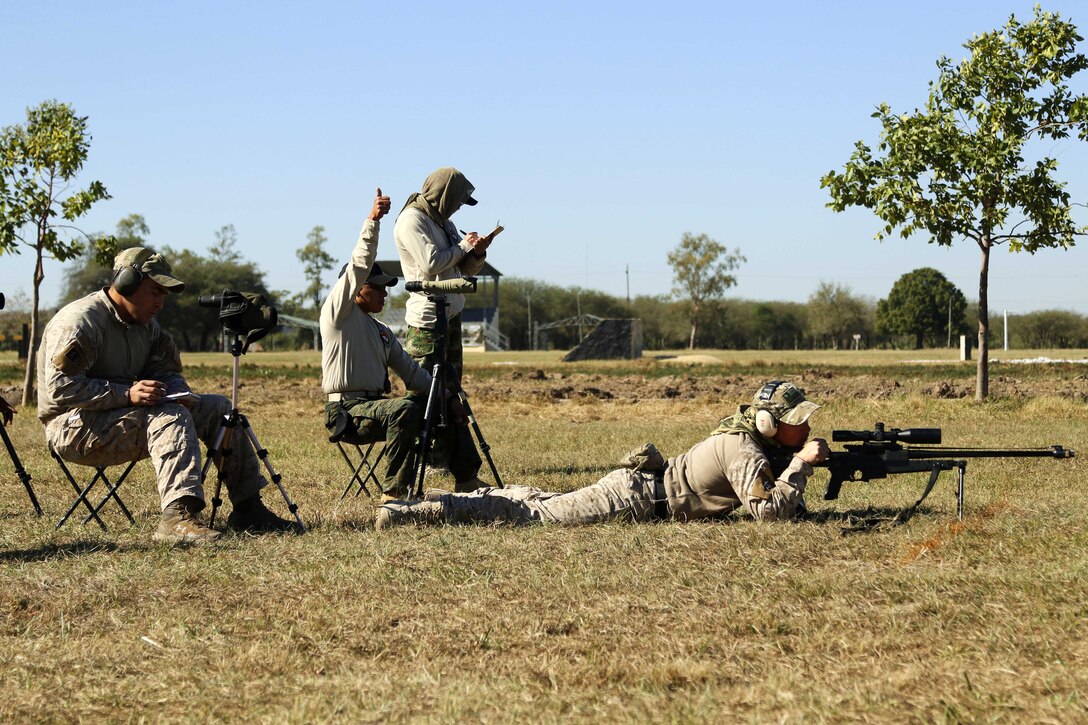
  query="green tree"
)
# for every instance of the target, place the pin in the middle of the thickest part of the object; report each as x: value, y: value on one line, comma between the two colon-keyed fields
x: 225, y: 249
x: 701, y: 271
x: 315, y: 262
x: 924, y: 304
x: 958, y: 170
x: 39, y: 161
x: 1050, y: 329
x: 835, y: 315
x: 93, y: 271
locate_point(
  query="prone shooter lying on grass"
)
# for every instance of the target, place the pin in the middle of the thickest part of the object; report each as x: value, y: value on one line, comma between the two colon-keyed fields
x: 757, y: 459
x: 728, y: 470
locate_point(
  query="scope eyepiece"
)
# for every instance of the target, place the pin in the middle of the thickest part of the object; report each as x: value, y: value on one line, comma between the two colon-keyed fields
x: 1, y: 300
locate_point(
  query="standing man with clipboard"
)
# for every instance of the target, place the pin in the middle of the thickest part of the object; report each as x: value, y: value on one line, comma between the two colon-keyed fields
x: 432, y: 249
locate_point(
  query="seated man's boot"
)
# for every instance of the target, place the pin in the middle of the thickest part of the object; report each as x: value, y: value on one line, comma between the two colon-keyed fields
x: 253, y: 516
x: 400, y: 513
x: 470, y: 485
x: 179, y: 523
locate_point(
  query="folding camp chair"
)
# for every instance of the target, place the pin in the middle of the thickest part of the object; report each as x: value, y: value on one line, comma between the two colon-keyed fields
x: 359, y: 460
x: 84, y: 492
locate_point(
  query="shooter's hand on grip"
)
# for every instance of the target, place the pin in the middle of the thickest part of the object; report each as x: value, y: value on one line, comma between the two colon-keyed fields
x: 381, y: 206
x: 814, y: 452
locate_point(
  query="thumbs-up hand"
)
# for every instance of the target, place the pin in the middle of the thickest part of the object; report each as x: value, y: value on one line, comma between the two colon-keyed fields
x: 381, y: 205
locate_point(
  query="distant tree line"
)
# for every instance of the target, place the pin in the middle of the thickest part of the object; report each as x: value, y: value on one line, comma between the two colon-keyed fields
x: 922, y: 309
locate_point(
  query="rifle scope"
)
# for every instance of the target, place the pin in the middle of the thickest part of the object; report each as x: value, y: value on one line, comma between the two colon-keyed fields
x: 925, y: 436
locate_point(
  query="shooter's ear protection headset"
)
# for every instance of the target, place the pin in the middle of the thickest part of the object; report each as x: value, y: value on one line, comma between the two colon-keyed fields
x: 766, y: 423
x: 127, y: 279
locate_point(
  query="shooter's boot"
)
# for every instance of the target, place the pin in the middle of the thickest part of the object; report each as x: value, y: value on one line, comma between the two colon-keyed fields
x: 179, y: 523
x: 399, y: 513
x: 253, y: 516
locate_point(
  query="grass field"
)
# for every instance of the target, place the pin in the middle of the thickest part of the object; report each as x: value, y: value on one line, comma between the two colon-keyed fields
x: 938, y: 620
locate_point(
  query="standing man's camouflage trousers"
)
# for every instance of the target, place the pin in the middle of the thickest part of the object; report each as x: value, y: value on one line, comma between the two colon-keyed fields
x: 170, y: 434
x: 397, y: 422
x: 422, y: 345
x: 455, y: 449
x: 622, y: 494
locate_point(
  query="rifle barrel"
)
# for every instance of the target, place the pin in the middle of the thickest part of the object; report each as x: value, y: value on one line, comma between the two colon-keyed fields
x: 930, y: 453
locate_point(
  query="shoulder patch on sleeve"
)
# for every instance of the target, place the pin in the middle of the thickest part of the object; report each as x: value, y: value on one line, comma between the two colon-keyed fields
x: 71, y: 360
x: 763, y: 485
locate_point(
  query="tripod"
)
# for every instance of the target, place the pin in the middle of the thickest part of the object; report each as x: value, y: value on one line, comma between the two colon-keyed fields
x: 19, y: 470
x: 222, y: 446
x: 444, y: 381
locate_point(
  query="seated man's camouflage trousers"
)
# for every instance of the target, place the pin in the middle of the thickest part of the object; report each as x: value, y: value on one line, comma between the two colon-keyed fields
x: 169, y: 434
x: 398, y: 422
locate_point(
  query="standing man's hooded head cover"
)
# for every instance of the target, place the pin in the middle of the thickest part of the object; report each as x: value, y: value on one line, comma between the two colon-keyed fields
x: 444, y: 192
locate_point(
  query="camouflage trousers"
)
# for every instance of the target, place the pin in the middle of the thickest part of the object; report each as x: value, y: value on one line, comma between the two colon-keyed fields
x: 398, y: 422
x: 622, y: 494
x: 168, y: 434
x: 421, y: 344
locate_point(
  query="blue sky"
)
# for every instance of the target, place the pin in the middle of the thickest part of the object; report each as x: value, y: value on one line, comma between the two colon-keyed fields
x: 597, y: 132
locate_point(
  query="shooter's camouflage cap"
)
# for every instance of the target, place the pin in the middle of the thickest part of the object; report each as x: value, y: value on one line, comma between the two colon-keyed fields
x: 785, y: 401
x: 152, y: 264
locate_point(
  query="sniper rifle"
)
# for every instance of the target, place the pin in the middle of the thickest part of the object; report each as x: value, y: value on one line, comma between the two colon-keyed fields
x: 880, y: 453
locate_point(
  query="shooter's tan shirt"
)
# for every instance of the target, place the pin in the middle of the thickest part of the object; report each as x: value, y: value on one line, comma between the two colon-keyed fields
x: 730, y: 470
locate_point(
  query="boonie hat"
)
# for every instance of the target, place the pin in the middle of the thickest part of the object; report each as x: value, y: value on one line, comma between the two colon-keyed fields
x: 785, y: 401
x: 152, y: 264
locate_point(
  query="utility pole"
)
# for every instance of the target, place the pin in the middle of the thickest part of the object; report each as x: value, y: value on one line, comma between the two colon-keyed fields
x: 627, y: 271
x: 950, y: 320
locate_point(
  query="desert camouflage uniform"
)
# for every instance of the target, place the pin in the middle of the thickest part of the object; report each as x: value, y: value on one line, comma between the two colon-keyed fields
x: 715, y: 477
x: 88, y: 359
x: 622, y: 494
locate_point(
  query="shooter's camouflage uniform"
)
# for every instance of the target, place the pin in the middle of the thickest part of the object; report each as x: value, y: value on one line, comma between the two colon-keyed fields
x: 715, y: 477
x: 88, y: 359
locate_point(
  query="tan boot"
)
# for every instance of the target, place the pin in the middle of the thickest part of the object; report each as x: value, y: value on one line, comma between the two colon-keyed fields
x: 399, y: 513
x: 180, y: 525
x: 435, y: 494
x: 470, y: 485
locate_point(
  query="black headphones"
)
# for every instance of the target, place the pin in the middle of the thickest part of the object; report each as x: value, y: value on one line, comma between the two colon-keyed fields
x: 127, y: 279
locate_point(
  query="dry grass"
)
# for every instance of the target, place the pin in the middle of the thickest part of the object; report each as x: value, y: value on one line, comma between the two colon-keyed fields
x: 938, y: 620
